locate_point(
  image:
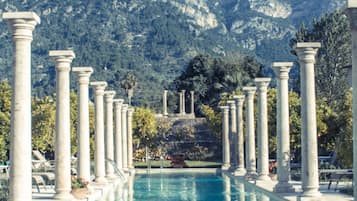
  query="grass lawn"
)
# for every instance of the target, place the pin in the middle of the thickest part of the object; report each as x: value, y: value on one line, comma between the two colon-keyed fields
x: 190, y: 164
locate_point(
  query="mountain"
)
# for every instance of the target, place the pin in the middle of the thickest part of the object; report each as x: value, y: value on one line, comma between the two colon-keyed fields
x: 155, y: 39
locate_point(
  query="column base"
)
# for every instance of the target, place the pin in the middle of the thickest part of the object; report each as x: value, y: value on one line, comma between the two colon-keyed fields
x: 63, y: 195
x: 251, y: 176
x: 284, y: 187
x: 239, y: 172
x: 310, y: 194
x: 110, y: 176
x: 263, y: 177
x: 100, y: 180
x: 225, y: 167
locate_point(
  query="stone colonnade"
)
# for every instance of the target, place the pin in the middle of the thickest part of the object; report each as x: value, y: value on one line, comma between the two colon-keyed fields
x: 22, y: 25
x: 182, y: 105
x: 306, y: 52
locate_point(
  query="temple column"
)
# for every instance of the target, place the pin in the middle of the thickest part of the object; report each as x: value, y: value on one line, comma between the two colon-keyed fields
x: 225, y: 138
x: 183, y: 102
x: 130, y: 137
x: 124, y: 132
x: 109, y: 141
x: 262, y: 125
x: 118, y: 153
x: 83, y: 161
x: 192, y: 103
x: 282, y: 127
x: 99, y: 153
x: 63, y: 59
x: 164, y: 103
x: 180, y: 103
x: 240, y: 168
x: 22, y: 25
x: 232, y: 133
x: 352, y: 14
x: 309, y: 172
x: 250, y: 131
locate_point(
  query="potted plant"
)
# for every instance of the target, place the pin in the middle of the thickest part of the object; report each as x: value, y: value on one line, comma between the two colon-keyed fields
x: 79, y: 187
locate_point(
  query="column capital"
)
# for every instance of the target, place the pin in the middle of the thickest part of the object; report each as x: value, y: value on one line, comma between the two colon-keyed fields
x: 183, y: 91
x: 282, y: 69
x: 192, y: 92
x: 22, y: 23
x: 351, y: 11
x: 165, y: 91
x: 262, y: 83
x: 249, y: 91
x: 231, y: 104
x: 83, y: 74
x: 118, y: 102
x: 124, y: 108
x: 306, y: 51
x: 109, y: 95
x: 224, y: 108
x: 99, y: 87
x: 130, y: 111
x: 63, y: 58
x: 239, y: 99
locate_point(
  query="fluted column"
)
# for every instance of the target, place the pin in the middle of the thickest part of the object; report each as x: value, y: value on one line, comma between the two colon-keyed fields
x: 240, y: 168
x: 99, y: 152
x: 225, y: 138
x: 232, y: 133
x: 310, y: 176
x: 118, y: 152
x: 22, y: 25
x: 130, y: 137
x: 124, y: 131
x: 352, y: 14
x: 262, y: 125
x: 192, y: 103
x: 164, y: 103
x: 250, y: 131
x: 63, y: 59
x: 282, y: 126
x: 183, y: 102
x: 109, y: 137
x: 83, y: 161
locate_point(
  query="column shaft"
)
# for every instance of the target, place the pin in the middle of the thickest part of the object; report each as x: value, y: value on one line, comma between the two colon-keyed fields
x: 130, y: 138
x: 63, y: 61
x: 263, y: 149
x: 232, y: 133
x: 180, y: 103
x: 183, y: 102
x: 124, y: 131
x: 109, y: 142
x: 192, y: 103
x: 352, y: 14
x: 99, y: 152
x: 240, y: 168
x: 250, y: 131
x: 225, y: 138
x: 83, y: 161
x: 118, y: 154
x: 22, y: 24
x: 310, y: 176
x: 282, y: 126
x: 164, y: 103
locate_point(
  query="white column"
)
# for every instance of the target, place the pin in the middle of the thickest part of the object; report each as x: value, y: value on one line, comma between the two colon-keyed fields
x: 109, y: 142
x: 83, y: 161
x: 124, y: 132
x: 130, y: 137
x: 309, y: 157
x: 352, y: 14
x: 232, y: 133
x: 240, y: 168
x: 22, y: 24
x: 250, y: 131
x: 183, y: 102
x: 262, y: 125
x: 99, y: 153
x: 118, y: 154
x: 282, y: 127
x: 164, y: 103
x: 192, y: 103
x: 225, y: 138
x: 180, y: 103
x: 63, y: 59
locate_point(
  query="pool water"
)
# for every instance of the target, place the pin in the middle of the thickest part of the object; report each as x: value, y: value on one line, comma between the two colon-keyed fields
x: 192, y: 187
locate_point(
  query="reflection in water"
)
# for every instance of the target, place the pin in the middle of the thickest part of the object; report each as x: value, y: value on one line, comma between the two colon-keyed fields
x: 240, y: 194
x: 227, y: 188
x: 264, y: 197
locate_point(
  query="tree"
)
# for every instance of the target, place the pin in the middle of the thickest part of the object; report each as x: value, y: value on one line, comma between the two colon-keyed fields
x: 144, y: 126
x: 5, y: 116
x: 128, y: 84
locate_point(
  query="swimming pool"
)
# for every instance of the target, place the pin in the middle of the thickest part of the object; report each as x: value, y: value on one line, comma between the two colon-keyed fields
x: 191, y: 187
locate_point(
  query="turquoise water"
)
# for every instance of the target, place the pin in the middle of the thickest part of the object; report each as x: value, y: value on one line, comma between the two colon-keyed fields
x: 192, y: 187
